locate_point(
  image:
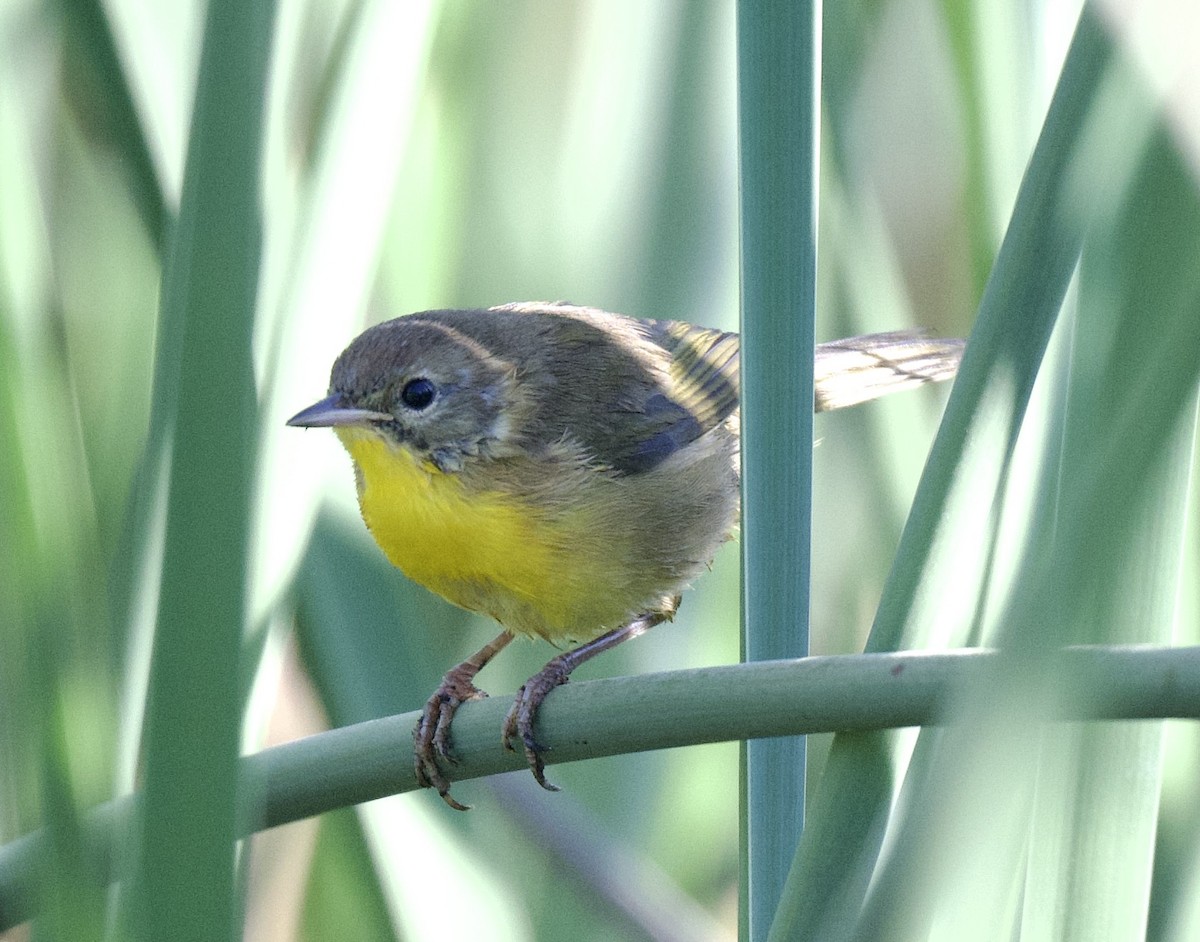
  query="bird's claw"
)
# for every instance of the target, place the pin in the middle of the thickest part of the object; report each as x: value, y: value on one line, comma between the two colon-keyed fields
x: 518, y: 724
x: 431, y: 736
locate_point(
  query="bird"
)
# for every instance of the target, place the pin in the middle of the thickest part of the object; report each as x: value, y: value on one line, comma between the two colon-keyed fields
x: 565, y: 470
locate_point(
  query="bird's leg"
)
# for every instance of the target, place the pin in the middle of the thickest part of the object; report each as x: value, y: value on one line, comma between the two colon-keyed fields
x: 518, y: 724
x: 431, y: 737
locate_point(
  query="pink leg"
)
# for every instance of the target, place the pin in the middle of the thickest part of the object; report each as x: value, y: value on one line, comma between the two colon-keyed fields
x: 518, y: 724
x: 431, y: 738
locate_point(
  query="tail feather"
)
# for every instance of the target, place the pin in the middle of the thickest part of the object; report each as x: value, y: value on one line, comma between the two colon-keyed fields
x: 859, y: 369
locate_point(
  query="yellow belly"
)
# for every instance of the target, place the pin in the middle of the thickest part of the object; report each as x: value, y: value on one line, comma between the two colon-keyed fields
x: 484, y: 551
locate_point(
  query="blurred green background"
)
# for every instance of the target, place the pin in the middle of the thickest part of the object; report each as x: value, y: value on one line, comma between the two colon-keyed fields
x: 421, y: 155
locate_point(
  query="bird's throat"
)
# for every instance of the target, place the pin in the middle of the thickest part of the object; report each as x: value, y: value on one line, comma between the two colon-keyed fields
x: 478, y: 549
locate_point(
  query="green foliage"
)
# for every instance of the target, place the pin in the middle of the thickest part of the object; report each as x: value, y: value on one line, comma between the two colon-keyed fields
x: 422, y: 155
x: 778, y: 105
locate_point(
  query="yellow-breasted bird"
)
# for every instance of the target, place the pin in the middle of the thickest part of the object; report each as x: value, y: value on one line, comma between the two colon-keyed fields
x: 565, y: 470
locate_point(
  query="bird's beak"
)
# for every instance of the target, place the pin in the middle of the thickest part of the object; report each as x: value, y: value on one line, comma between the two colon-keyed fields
x: 333, y: 411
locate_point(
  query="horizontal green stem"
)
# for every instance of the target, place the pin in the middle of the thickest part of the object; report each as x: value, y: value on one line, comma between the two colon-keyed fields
x: 659, y: 711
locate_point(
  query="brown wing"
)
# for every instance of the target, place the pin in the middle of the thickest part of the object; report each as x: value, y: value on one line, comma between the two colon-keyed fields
x: 704, y: 369
x: 705, y: 363
x: 614, y: 399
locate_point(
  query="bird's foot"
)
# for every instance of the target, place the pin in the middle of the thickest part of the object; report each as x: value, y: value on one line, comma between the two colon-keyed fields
x: 518, y: 724
x: 431, y: 737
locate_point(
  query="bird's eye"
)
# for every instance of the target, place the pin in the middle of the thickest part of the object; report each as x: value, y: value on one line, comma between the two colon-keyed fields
x: 418, y: 393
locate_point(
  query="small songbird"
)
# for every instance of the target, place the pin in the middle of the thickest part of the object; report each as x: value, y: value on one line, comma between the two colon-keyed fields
x: 564, y: 470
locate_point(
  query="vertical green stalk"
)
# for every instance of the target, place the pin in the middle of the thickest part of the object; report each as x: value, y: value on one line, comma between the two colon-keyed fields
x: 963, y: 34
x: 184, y: 887
x: 778, y: 96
